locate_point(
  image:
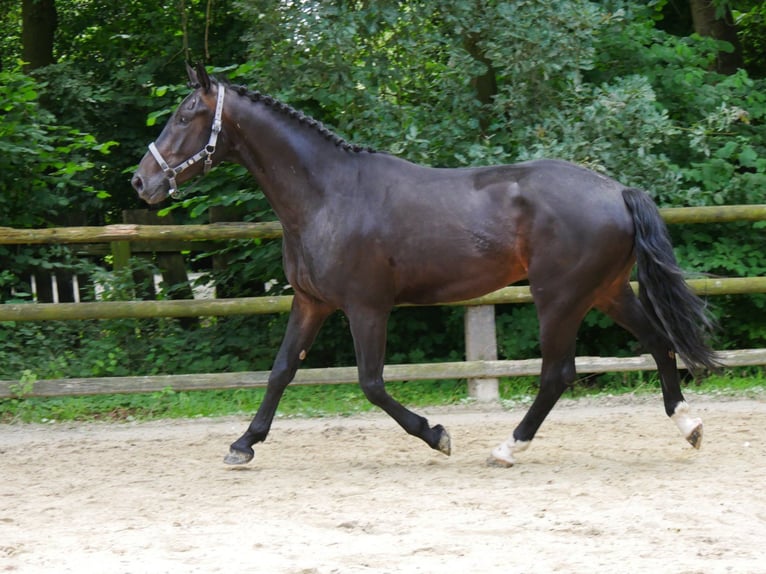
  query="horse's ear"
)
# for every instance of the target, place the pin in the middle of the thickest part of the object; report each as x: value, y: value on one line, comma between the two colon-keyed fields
x: 202, y: 78
x: 193, y: 81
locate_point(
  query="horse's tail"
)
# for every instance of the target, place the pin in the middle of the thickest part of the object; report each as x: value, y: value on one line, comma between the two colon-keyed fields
x: 671, y: 304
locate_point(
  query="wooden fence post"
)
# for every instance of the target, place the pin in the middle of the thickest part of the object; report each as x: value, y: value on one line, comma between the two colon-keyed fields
x: 120, y: 254
x: 481, y: 345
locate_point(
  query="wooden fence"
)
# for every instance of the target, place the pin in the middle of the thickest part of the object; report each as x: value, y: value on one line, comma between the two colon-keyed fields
x: 481, y: 367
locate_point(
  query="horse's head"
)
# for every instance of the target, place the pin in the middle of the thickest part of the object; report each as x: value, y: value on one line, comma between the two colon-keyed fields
x: 187, y: 145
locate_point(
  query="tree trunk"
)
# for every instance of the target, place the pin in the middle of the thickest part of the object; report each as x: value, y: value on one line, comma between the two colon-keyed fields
x: 706, y: 23
x: 486, y: 84
x: 38, y: 26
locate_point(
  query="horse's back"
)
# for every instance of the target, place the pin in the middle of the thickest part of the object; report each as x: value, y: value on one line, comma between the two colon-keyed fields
x: 555, y: 201
x: 552, y: 184
x: 560, y: 185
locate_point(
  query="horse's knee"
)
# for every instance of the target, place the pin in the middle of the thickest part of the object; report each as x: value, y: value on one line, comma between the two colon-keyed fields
x: 554, y: 381
x: 282, y: 374
x: 568, y: 373
x: 375, y: 391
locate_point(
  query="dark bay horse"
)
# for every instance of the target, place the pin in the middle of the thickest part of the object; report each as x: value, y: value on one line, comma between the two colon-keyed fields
x: 365, y: 231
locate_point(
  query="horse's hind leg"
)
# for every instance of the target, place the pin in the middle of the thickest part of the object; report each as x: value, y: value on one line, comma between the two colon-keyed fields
x: 368, y: 328
x: 559, y: 323
x: 628, y: 312
x: 306, y: 318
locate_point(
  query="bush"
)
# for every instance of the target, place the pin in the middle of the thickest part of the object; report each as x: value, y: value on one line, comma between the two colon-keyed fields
x: 43, y: 165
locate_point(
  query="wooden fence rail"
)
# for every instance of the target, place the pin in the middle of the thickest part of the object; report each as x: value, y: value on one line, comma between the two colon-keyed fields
x: 281, y: 303
x: 487, y: 369
x: 272, y: 229
x: 338, y: 375
x: 138, y: 232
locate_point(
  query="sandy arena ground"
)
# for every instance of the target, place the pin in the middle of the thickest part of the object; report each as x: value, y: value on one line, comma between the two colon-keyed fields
x: 607, y: 486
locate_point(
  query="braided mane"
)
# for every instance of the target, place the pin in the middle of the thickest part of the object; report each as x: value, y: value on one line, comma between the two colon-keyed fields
x: 300, y: 117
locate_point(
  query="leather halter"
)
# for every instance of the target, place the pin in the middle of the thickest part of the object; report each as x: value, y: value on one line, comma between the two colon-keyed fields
x: 205, y: 153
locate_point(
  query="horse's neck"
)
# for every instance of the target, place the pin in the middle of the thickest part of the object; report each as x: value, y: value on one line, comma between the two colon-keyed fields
x: 289, y: 159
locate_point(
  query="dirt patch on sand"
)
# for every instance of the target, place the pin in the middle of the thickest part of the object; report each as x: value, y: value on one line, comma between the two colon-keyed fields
x: 607, y: 486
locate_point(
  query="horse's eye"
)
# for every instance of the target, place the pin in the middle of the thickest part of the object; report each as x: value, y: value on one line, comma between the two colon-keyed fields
x: 183, y: 119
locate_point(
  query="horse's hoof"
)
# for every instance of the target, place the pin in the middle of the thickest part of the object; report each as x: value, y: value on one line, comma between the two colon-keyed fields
x: 691, y: 428
x: 239, y: 456
x: 495, y: 462
x: 445, y: 442
x: 695, y: 437
x: 502, y: 454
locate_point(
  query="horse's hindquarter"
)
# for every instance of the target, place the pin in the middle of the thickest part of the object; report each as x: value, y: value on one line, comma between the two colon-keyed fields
x: 582, y: 232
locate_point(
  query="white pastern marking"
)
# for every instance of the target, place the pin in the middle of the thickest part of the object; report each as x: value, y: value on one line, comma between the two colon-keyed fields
x: 504, y: 451
x: 685, y: 423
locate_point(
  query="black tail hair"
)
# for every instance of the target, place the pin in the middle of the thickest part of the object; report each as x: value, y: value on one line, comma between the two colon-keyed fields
x: 672, y: 305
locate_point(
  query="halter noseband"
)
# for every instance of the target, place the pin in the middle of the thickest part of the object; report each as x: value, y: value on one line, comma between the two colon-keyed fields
x: 205, y: 153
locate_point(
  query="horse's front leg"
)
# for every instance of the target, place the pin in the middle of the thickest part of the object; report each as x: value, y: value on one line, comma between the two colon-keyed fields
x: 368, y: 328
x: 306, y: 318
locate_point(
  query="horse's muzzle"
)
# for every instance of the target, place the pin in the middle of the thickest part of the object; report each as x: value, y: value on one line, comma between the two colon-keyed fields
x: 138, y: 184
x: 150, y: 195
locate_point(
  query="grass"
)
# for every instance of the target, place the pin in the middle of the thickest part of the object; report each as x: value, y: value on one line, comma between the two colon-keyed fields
x: 343, y: 399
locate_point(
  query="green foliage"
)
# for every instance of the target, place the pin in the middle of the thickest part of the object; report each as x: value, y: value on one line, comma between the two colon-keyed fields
x: 517, y: 330
x: 133, y: 347
x: 43, y: 165
x: 750, y: 17
x: 727, y: 157
x: 439, y: 331
x: 614, y: 128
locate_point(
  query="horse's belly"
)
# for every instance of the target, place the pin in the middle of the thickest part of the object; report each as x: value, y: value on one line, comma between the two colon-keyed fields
x: 456, y: 284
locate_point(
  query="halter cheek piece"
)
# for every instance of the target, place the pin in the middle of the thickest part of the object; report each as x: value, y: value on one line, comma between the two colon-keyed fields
x: 205, y: 153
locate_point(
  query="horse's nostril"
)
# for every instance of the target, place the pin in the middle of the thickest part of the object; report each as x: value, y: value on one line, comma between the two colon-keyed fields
x: 137, y: 183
